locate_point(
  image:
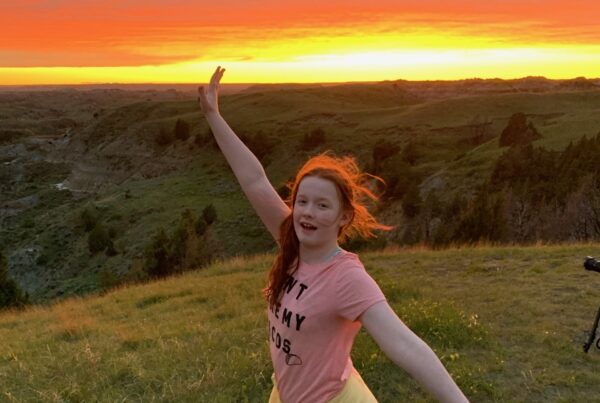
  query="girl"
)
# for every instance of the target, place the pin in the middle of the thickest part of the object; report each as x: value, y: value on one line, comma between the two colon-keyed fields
x: 319, y: 294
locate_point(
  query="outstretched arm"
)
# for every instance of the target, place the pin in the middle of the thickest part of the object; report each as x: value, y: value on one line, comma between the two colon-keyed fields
x: 247, y: 169
x: 409, y: 352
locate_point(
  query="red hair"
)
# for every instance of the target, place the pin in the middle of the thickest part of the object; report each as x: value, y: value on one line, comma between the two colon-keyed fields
x: 355, y: 194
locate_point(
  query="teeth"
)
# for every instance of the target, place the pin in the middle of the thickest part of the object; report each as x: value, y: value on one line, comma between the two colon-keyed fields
x: 308, y: 226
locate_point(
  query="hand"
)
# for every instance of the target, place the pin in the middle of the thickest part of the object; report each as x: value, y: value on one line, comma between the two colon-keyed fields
x: 209, y: 97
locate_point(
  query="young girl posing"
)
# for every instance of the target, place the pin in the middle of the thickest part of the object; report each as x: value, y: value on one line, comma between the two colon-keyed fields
x: 320, y: 295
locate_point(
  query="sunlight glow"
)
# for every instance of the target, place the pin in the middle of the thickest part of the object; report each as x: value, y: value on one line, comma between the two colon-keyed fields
x: 70, y: 42
x: 363, y: 66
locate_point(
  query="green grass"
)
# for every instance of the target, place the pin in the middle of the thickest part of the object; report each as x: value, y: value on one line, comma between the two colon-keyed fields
x: 507, y: 322
x: 353, y: 116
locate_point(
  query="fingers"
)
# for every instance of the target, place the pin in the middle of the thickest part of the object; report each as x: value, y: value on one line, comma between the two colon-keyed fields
x: 216, y: 77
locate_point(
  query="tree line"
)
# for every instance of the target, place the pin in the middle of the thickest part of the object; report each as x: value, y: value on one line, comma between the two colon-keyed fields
x: 533, y: 194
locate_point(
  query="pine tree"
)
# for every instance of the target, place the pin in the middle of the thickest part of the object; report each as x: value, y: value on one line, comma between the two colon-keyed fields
x: 11, y: 295
x: 182, y: 130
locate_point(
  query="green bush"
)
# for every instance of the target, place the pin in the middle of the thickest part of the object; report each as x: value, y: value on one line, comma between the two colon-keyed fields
x: 11, y: 295
x: 182, y: 130
x: 158, y: 260
x: 98, y: 239
x: 201, y: 226
x: 209, y: 214
x: 164, y: 137
x: 313, y: 139
x: 186, y: 248
x: 382, y: 150
x: 411, y: 202
x: 398, y: 176
x: 89, y: 217
x: 518, y: 131
x: 260, y: 144
x: 108, y: 279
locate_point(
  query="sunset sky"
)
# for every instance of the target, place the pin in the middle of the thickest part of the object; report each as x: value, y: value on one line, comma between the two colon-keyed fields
x: 182, y: 41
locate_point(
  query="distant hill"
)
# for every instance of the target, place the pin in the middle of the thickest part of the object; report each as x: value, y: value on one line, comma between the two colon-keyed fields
x: 116, y: 153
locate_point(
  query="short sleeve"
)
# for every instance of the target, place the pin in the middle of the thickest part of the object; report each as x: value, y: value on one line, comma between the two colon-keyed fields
x: 356, y: 291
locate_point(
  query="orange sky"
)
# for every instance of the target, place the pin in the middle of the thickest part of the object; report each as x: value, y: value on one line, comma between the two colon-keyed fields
x: 96, y: 41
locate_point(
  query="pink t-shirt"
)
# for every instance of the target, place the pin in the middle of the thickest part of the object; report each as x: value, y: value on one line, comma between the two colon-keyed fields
x: 312, y: 330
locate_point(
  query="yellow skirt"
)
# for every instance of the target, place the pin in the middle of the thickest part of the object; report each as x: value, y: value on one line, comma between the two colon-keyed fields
x: 355, y: 391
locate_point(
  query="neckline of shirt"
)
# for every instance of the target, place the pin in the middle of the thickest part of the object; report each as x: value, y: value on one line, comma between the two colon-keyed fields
x: 330, y: 259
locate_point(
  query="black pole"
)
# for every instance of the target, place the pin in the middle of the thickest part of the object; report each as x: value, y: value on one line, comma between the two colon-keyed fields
x: 592, y: 337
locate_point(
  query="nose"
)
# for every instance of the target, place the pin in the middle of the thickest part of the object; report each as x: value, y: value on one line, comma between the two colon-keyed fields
x: 307, y: 211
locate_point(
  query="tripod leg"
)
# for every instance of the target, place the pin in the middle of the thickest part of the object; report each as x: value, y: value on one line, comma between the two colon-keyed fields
x: 588, y: 344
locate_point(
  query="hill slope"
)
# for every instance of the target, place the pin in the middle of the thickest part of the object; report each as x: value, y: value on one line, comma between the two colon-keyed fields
x: 64, y: 151
x: 507, y: 322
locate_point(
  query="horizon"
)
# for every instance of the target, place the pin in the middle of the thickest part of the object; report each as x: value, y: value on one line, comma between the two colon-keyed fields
x: 247, y: 84
x: 82, y: 43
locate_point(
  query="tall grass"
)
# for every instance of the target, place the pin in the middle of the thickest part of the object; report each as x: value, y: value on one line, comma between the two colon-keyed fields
x: 507, y: 322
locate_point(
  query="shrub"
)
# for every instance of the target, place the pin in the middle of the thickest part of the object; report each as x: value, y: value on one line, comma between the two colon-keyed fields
x: 410, y: 153
x: 313, y: 139
x: 206, y: 139
x: 98, y: 239
x: 201, y: 226
x: 110, y: 249
x: 157, y: 256
x: 186, y: 248
x: 89, y: 217
x: 398, y: 176
x: 518, y: 131
x: 411, y: 202
x: 209, y: 214
x: 182, y: 130
x: 108, y: 279
x: 261, y: 145
x: 11, y: 295
x: 382, y: 150
x: 164, y: 137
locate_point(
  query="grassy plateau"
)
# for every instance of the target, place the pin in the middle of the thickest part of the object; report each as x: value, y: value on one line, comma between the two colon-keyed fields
x: 507, y: 322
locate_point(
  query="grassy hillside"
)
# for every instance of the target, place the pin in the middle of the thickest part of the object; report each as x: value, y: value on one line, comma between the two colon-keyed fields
x: 102, y: 143
x: 507, y: 322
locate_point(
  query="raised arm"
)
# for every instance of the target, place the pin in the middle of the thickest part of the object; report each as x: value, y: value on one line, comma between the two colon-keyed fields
x: 247, y: 169
x: 409, y: 352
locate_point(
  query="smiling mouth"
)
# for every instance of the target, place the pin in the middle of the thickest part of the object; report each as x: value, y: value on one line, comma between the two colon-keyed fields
x: 307, y: 226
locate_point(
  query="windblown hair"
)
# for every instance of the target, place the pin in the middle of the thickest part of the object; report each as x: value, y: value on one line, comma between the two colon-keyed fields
x: 353, y: 188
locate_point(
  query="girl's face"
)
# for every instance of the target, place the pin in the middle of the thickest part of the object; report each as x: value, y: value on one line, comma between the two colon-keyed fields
x: 318, y: 213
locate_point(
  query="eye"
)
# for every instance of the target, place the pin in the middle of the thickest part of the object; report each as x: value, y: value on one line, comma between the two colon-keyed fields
x: 301, y: 202
x: 323, y: 205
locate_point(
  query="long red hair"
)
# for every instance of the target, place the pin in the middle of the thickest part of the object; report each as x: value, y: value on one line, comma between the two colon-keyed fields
x: 355, y: 194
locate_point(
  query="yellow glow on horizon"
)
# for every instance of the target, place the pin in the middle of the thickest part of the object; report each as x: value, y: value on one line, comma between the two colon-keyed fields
x: 408, y: 64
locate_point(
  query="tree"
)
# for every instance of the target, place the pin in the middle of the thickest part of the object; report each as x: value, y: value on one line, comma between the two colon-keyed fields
x: 382, y: 150
x: 483, y: 219
x: 313, y: 139
x: 260, y: 144
x: 164, y: 137
x: 89, y: 217
x: 410, y: 153
x: 99, y: 240
x: 157, y: 256
x: 182, y: 130
x: 518, y: 131
x: 209, y: 214
x: 411, y: 202
x: 398, y: 177
x: 10, y: 293
x: 479, y: 128
x: 186, y: 248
